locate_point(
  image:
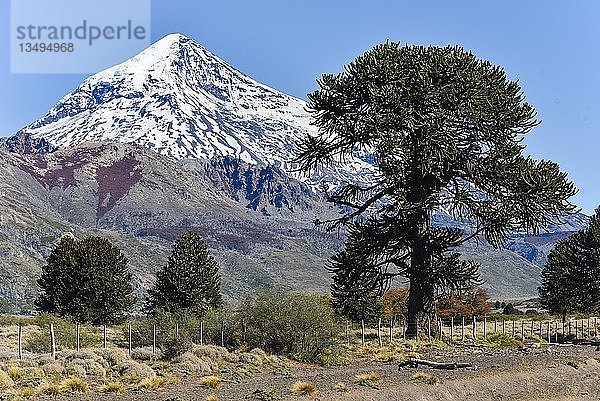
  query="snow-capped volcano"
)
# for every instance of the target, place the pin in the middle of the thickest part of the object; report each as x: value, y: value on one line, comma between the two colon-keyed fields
x: 182, y: 101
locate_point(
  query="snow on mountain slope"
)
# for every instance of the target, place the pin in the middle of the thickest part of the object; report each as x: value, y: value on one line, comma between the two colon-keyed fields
x: 182, y: 101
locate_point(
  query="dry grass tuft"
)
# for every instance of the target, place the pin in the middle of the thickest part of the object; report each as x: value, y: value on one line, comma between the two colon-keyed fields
x: 368, y: 379
x: 74, y: 385
x: 210, y: 381
x: 424, y: 377
x: 341, y: 387
x: 5, y: 380
x: 113, y: 387
x: 152, y: 383
x: 49, y: 389
x: 212, y: 397
x: 304, y: 388
x: 15, y: 373
x: 27, y: 393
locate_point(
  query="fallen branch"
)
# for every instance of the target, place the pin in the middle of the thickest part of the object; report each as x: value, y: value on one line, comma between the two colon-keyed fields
x: 414, y: 363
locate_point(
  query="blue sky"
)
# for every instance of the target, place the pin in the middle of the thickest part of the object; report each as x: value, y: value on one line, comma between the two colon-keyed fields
x: 550, y: 46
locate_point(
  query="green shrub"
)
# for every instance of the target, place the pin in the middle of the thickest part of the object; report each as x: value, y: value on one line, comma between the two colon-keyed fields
x: 166, y: 323
x: 64, y: 333
x: 303, y: 327
x: 174, y: 347
x: 500, y: 340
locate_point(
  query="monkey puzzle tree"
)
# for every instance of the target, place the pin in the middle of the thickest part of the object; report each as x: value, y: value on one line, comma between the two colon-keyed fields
x: 571, y: 277
x: 189, y: 282
x: 444, y: 130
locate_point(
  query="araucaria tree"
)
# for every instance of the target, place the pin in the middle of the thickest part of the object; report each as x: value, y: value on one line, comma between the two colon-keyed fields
x: 190, y: 281
x: 87, y: 280
x: 571, y: 276
x: 445, y: 131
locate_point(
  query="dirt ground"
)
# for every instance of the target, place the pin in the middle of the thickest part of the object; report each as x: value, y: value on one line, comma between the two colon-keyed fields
x: 548, y: 372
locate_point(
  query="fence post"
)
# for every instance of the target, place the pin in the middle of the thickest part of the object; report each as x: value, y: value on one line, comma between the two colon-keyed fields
x: 404, y: 325
x: 513, y: 328
x: 541, y: 334
x: 463, y: 329
x: 129, y: 342
x: 588, y: 322
x: 20, y: 342
x: 429, y: 329
x: 441, y: 331
x: 532, y: 331
x: 222, y: 333
x: 495, y: 326
x: 362, y: 331
x: 104, y: 337
x: 452, y: 329
x: 347, y: 335
x: 474, y: 328
x: 417, y: 328
x: 201, y: 332
x: 503, y: 326
x: 244, y: 331
x: 154, y: 339
x: 77, y: 336
x: 379, y: 340
x: 52, y: 341
x: 484, y: 326
x: 177, y: 330
x: 523, y: 330
x: 548, y: 328
x: 391, y: 331
x: 556, y: 332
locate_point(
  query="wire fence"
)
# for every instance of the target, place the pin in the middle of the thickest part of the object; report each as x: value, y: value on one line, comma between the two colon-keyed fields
x: 473, y: 328
x: 451, y: 330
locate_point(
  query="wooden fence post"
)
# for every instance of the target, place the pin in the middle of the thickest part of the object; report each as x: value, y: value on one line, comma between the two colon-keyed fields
x: 503, y: 326
x: 52, y: 341
x: 104, y: 337
x: 20, y: 342
x: 556, y: 332
x: 154, y: 339
x: 513, y: 328
x: 429, y: 329
x: 129, y: 342
x: 201, y: 332
x: 485, y: 327
x: 177, y: 330
x: 474, y: 328
x: 463, y: 329
x: 222, y: 333
x: 452, y: 329
x: 391, y: 331
x: 379, y: 339
x: 588, y: 327
x: 347, y: 335
x: 532, y: 329
x: 404, y: 325
x: 362, y: 331
x: 548, y: 329
x: 523, y: 330
x: 77, y: 336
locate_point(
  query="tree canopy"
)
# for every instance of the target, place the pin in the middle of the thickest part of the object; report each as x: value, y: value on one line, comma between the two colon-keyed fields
x: 444, y: 130
x: 87, y: 280
x: 190, y: 281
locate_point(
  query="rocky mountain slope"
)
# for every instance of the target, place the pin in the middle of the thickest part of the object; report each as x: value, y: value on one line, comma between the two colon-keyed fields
x: 258, y: 221
x: 176, y: 139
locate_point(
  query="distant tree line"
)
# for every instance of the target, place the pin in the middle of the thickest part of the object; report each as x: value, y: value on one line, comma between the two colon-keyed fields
x: 89, y: 281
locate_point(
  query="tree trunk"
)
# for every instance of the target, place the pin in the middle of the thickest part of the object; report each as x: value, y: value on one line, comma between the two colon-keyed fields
x: 421, y: 297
